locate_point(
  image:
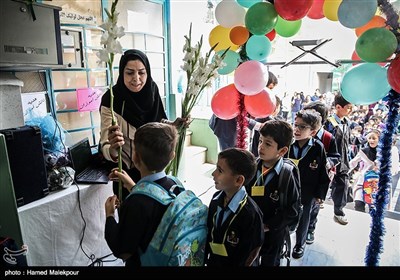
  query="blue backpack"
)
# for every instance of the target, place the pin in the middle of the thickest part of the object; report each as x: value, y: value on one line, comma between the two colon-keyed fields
x: 181, y: 236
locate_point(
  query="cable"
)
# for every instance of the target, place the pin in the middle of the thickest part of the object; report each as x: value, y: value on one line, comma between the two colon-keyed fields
x: 205, y: 191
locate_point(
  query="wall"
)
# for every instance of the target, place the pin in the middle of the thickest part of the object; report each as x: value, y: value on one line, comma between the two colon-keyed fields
x: 11, y: 114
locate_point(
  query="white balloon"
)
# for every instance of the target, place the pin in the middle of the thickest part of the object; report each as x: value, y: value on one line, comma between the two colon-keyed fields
x: 229, y: 13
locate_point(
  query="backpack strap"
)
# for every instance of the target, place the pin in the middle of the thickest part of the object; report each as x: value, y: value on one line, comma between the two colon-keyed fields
x: 326, y: 139
x: 333, y: 121
x: 287, y: 168
x: 157, y: 192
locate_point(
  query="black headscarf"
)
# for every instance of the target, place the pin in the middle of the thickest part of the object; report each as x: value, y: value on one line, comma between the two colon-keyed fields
x: 140, y: 107
x: 370, y: 152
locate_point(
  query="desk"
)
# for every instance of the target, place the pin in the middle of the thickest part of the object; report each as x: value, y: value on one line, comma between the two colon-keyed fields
x: 52, y: 227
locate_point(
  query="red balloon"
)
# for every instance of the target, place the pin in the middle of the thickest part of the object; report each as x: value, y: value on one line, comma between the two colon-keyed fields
x: 292, y: 10
x: 316, y: 11
x: 271, y: 35
x: 260, y: 105
x: 224, y: 103
x: 394, y: 73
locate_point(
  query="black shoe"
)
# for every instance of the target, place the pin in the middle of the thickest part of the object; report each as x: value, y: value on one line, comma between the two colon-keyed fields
x: 310, y: 238
x: 298, y: 252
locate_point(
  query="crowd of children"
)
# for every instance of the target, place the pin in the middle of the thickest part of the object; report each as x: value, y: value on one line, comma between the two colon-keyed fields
x: 249, y: 215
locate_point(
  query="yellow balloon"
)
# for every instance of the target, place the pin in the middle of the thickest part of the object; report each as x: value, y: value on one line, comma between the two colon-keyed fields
x: 220, y: 35
x: 331, y: 8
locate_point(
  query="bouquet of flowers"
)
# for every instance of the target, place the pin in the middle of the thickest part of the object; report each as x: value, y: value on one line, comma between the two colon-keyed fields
x: 200, y: 72
x: 111, y: 46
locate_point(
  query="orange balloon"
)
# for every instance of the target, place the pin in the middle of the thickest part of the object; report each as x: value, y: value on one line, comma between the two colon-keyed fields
x: 376, y: 21
x: 239, y: 35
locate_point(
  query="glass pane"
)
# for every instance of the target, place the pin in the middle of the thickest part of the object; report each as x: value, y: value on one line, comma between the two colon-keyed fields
x: 66, y: 100
x: 141, y: 16
x: 69, y: 79
x: 155, y: 44
x: 93, y: 37
x: 156, y: 59
x: 138, y: 41
x: 161, y: 88
x: 92, y: 60
x: 79, y: 135
x: 158, y: 75
x: 98, y: 78
x: 74, y: 120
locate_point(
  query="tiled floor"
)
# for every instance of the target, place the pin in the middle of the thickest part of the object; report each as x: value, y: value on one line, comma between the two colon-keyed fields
x: 335, y: 245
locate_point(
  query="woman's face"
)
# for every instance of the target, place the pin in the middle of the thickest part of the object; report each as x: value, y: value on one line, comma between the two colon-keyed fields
x: 135, y: 75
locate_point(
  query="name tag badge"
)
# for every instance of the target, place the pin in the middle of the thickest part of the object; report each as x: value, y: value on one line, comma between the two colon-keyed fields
x: 257, y: 190
x: 218, y: 249
x: 314, y: 165
x: 295, y: 161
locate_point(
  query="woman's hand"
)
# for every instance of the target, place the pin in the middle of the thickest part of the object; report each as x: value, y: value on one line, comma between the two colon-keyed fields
x: 182, y: 122
x: 116, y: 139
x: 127, y: 181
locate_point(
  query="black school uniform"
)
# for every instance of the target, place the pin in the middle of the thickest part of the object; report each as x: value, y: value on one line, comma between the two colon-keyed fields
x: 139, y: 218
x: 233, y: 231
x: 274, y: 217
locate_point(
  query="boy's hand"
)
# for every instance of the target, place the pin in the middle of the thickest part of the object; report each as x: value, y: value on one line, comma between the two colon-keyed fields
x: 127, y: 181
x: 111, y: 203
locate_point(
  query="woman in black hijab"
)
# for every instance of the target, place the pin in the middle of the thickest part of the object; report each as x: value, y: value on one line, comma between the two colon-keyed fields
x: 136, y: 102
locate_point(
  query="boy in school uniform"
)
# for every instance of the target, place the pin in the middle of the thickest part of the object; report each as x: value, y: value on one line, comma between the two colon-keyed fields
x: 332, y: 157
x: 338, y: 125
x: 309, y: 155
x: 235, y: 228
x: 275, y: 138
x: 140, y: 215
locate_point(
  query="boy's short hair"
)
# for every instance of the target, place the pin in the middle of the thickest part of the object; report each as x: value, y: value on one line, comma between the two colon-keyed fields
x: 155, y: 144
x: 241, y: 162
x: 310, y: 117
x: 279, y: 130
x: 339, y: 100
x: 320, y: 107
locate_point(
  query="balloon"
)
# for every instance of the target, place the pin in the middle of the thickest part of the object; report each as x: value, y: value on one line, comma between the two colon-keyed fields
x: 365, y: 84
x: 376, y: 44
x: 239, y: 35
x: 224, y: 103
x: 250, y: 77
x: 330, y: 9
x: 271, y: 35
x: 248, y: 3
x: 376, y: 21
x: 260, y: 105
x: 292, y: 10
x: 394, y: 73
x: 258, y: 47
x: 354, y: 14
x: 229, y: 13
x: 316, y: 11
x: 220, y: 35
x: 355, y: 56
x: 231, y: 60
x: 261, y: 18
x: 287, y: 28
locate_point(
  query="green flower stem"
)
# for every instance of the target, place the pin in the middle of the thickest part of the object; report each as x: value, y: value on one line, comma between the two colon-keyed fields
x: 113, y: 121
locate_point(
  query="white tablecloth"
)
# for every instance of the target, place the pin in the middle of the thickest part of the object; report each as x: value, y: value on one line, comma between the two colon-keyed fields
x: 53, y: 226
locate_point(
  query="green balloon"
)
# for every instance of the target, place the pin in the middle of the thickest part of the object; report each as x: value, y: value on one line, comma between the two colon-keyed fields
x: 261, y: 18
x: 286, y: 28
x: 231, y: 61
x: 376, y: 45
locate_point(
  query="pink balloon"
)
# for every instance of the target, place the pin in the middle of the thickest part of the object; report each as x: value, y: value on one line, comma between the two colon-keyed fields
x: 260, y: 105
x: 292, y: 10
x: 250, y: 77
x: 316, y: 11
x: 224, y: 103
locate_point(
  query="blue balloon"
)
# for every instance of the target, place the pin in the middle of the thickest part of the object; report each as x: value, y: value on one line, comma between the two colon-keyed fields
x: 258, y: 47
x: 353, y: 14
x: 365, y: 84
x: 247, y: 3
x: 231, y: 60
